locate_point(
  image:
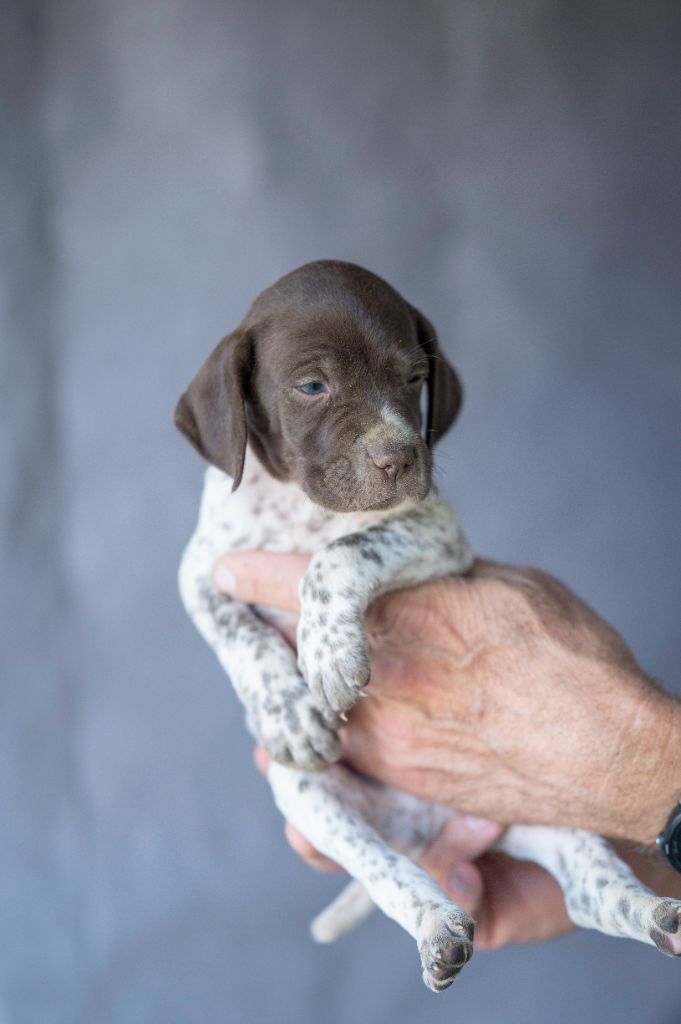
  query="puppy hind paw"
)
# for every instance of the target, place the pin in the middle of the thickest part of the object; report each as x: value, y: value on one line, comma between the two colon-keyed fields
x: 445, y: 947
x: 321, y: 743
x: 666, y: 929
x: 295, y: 731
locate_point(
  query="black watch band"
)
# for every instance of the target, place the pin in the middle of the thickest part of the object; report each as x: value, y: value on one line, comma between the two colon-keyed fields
x: 669, y: 840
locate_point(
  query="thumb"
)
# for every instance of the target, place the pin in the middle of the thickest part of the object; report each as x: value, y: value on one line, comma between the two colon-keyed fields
x: 262, y: 577
x: 448, y: 859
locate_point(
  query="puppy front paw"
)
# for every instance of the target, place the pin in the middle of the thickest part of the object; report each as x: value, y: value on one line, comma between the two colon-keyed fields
x: 293, y: 729
x: 332, y: 650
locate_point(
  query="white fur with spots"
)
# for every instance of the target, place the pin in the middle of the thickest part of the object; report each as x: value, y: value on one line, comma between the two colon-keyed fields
x: 293, y: 710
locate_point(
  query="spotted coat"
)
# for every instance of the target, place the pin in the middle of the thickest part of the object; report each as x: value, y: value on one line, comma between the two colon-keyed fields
x: 293, y: 710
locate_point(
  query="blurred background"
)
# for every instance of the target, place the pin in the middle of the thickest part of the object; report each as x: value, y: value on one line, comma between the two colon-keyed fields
x: 515, y: 171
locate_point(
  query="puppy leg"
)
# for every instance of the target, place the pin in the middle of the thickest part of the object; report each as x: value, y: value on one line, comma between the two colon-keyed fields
x: 343, y: 578
x: 601, y: 891
x: 280, y: 710
x: 408, y: 825
x: 333, y: 811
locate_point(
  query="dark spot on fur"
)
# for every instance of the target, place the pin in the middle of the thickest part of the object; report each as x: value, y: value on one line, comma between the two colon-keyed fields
x: 350, y: 541
x: 662, y: 941
x: 303, y: 785
x: 370, y: 555
x: 624, y: 908
x: 667, y: 918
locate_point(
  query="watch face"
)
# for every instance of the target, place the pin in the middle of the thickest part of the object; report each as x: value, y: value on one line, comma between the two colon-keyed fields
x: 672, y: 841
x: 675, y: 845
x: 669, y: 841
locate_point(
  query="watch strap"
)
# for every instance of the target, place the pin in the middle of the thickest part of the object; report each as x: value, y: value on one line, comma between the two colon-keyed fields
x: 669, y: 840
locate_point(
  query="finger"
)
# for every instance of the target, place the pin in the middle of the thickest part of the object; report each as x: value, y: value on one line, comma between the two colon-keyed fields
x: 462, y: 839
x: 262, y: 577
x: 285, y: 623
x: 465, y: 886
x: 522, y: 903
x: 312, y: 857
x: 261, y: 759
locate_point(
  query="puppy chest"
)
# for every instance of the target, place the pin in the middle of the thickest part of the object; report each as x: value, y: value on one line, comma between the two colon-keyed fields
x: 268, y: 515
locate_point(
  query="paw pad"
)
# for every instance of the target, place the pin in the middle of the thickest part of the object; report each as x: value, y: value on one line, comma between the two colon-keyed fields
x: 666, y: 932
x: 446, y: 950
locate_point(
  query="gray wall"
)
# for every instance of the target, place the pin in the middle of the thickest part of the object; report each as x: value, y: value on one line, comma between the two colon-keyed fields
x: 514, y: 169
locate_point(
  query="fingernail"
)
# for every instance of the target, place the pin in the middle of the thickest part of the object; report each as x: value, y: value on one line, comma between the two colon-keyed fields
x: 474, y: 824
x: 223, y: 577
x: 463, y: 881
x: 466, y: 830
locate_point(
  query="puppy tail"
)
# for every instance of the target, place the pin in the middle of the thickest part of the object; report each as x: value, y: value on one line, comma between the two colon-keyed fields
x: 348, y: 910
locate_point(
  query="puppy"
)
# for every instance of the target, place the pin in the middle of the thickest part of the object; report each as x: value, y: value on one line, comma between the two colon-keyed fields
x: 309, y: 414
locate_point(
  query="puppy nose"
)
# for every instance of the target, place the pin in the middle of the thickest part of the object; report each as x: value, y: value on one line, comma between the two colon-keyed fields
x: 393, y: 461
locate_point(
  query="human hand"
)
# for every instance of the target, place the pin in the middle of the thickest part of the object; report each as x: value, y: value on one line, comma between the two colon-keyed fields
x: 500, y: 694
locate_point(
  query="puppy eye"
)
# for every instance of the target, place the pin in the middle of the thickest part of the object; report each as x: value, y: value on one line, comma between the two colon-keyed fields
x: 418, y: 378
x: 313, y: 387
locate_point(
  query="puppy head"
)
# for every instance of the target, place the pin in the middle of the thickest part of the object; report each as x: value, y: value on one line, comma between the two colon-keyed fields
x: 323, y: 378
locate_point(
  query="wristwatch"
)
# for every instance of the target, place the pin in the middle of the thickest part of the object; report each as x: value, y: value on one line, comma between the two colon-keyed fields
x: 669, y: 840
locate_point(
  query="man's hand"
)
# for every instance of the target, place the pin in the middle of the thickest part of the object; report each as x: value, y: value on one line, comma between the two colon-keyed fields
x: 500, y: 694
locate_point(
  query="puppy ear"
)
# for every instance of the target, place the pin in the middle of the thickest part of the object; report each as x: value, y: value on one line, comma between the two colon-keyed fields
x: 212, y: 412
x: 445, y: 392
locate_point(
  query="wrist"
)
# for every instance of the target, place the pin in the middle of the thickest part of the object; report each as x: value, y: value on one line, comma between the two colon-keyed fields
x: 653, y: 754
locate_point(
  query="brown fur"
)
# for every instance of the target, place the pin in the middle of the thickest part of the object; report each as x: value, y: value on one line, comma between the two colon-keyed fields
x: 341, y: 325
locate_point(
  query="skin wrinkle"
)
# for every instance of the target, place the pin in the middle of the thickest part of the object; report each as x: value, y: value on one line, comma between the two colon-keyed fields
x: 603, y: 784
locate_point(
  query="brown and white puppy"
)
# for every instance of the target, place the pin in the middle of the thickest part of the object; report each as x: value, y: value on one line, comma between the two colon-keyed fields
x: 310, y: 415
x: 323, y: 378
